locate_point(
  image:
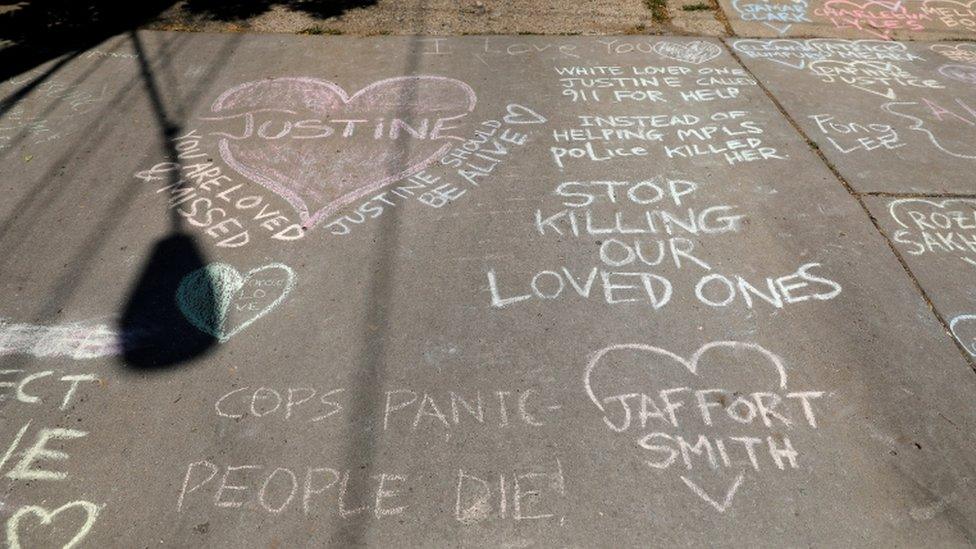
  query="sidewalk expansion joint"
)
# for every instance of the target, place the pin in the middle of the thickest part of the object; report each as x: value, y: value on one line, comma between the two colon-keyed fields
x: 883, y: 194
x: 860, y: 200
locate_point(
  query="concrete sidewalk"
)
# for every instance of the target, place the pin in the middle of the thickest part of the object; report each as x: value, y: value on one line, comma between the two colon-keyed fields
x: 271, y: 290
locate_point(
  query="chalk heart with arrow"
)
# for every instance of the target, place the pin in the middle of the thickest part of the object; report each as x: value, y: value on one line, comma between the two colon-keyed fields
x: 221, y: 301
x: 321, y: 148
x: 714, y: 420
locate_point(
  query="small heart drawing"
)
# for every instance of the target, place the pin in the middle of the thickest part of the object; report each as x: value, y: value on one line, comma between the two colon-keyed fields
x: 695, y: 51
x: 901, y: 211
x: 778, y: 16
x: 964, y: 329
x: 218, y: 300
x: 320, y: 148
x: 46, y: 517
x: 520, y: 114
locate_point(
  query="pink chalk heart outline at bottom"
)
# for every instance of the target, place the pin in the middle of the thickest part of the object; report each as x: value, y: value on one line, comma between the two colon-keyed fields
x: 320, y: 148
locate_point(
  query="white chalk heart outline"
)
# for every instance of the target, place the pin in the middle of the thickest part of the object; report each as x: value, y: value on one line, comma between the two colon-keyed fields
x: 892, y: 209
x: 46, y: 517
x: 706, y: 50
x: 234, y: 281
x: 971, y: 5
x: 520, y: 114
x: 952, y: 327
x: 691, y: 365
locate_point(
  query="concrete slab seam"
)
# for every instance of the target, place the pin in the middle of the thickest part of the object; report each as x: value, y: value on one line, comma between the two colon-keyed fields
x: 858, y: 197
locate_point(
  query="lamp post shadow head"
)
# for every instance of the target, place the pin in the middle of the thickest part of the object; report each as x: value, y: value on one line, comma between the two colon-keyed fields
x: 156, y: 333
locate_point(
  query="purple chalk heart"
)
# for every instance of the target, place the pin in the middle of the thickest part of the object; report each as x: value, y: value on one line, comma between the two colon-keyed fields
x: 320, y: 148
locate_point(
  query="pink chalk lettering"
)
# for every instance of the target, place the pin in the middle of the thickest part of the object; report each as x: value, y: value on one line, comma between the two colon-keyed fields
x: 875, y: 17
x: 321, y: 149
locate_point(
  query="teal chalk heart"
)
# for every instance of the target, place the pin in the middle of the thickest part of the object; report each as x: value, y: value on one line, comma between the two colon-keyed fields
x: 207, y: 296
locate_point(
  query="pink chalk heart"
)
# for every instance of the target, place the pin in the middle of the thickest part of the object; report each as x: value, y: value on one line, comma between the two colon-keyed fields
x: 320, y: 148
x: 872, y: 17
x: 962, y: 73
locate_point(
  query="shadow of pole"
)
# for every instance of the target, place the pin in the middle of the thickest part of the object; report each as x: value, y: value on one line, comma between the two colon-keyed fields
x: 367, y: 387
x: 47, y: 188
x: 160, y: 335
x: 80, y: 339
